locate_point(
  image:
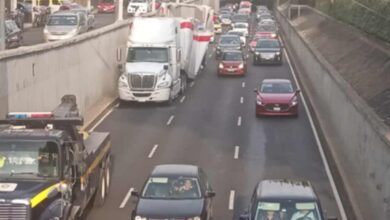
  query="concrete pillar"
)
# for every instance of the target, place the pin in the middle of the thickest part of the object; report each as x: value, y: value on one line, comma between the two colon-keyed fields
x: 14, y: 4
x: 89, y: 4
x: 119, y: 10
x: 2, y: 27
x: 33, y: 5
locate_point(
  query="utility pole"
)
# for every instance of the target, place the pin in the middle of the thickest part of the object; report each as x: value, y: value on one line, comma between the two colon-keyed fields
x: 2, y: 25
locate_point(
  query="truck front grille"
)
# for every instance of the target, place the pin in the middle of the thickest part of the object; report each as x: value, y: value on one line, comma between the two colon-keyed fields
x: 10, y: 211
x: 142, y: 81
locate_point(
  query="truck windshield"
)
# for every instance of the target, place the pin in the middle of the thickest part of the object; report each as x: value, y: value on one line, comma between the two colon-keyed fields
x: 159, y: 55
x: 28, y: 159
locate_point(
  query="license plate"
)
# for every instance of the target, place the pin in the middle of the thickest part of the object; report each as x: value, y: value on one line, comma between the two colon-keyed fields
x: 277, y: 109
x: 231, y: 70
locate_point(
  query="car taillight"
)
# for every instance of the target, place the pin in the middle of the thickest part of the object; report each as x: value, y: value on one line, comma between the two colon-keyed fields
x: 273, y: 35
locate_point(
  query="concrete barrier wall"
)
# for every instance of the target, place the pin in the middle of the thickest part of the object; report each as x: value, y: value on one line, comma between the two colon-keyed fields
x: 35, y: 78
x: 358, y: 140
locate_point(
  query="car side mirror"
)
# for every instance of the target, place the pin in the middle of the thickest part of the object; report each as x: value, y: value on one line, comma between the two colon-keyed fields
x: 255, y: 90
x: 297, y: 91
x: 165, y: 67
x: 135, y: 194
x: 244, y: 216
x: 210, y: 194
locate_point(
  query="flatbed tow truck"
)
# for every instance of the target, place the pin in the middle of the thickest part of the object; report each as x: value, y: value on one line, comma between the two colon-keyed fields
x: 49, y: 170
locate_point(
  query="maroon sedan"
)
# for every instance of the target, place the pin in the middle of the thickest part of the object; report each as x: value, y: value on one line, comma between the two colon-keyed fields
x: 106, y: 6
x: 232, y: 63
x: 276, y: 97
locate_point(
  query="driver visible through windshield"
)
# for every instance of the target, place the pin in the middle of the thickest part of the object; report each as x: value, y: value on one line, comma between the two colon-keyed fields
x: 287, y: 211
x: 28, y: 159
x: 171, y: 188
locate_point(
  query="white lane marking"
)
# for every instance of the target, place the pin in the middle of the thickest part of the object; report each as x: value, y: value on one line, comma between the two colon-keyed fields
x: 243, y: 84
x: 242, y: 100
x: 231, y: 200
x: 239, y: 121
x: 170, y: 120
x: 127, y: 197
x: 153, y: 151
x: 101, y: 120
x: 182, y: 99
x: 236, y: 152
x: 319, y: 145
x: 192, y: 84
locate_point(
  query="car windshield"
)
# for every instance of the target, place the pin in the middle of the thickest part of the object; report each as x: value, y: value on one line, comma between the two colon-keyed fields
x: 232, y: 56
x: 62, y: 20
x: 238, y: 33
x: 239, y: 26
x: 144, y: 54
x: 268, y: 44
x: 290, y: 210
x: 267, y: 28
x: 230, y: 40
x: 28, y: 159
x: 225, y: 16
x: 171, y: 188
x: 276, y: 87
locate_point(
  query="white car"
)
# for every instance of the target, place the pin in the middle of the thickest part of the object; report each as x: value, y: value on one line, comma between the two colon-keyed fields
x: 242, y: 27
x: 240, y: 34
x: 137, y: 7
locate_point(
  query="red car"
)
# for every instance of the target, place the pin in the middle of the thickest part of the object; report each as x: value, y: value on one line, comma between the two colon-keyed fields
x: 232, y: 63
x: 106, y: 6
x: 276, y: 97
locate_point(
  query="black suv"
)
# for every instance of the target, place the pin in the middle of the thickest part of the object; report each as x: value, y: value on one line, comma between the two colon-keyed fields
x: 284, y: 200
x: 174, y: 192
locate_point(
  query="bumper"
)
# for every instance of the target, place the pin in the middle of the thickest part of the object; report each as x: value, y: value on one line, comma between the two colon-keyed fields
x: 57, y: 37
x: 138, y: 11
x: 261, y: 110
x: 275, y: 59
x: 160, y: 95
x: 106, y: 10
x: 233, y: 72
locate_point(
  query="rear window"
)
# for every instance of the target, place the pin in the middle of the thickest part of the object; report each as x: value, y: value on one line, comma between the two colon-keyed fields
x: 230, y: 40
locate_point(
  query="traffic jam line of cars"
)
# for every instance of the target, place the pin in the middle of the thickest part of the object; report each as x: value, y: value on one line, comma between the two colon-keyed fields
x: 172, y: 191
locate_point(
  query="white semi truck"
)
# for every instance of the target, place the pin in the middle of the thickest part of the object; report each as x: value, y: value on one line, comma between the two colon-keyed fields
x: 162, y: 54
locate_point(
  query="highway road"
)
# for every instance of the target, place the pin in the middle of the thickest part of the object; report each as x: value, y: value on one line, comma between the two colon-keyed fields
x: 34, y: 35
x: 213, y: 126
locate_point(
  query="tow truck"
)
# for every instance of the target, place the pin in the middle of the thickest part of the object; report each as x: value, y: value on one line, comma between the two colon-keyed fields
x: 49, y: 169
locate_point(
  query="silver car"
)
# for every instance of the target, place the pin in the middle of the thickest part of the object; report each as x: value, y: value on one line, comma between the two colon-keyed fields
x: 64, y: 25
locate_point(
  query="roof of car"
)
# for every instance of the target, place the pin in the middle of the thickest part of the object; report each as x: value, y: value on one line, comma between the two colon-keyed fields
x: 285, y: 189
x: 276, y: 80
x: 175, y: 170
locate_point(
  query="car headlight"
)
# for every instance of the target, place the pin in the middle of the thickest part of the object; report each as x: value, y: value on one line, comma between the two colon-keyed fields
x: 164, y: 84
x: 277, y: 53
x: 73, y: 32
x: 221, y: 66
x: 257, y: 53
x: 45, y: 31
x: 238, y: 48
x: 139, y: 218
x: 194, y: 218
x: 294, y: 101
x: 241, y: 66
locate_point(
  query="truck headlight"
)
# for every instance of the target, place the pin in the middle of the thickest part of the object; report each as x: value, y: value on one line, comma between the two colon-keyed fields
x: 139, y: 218
x: 164, y: 84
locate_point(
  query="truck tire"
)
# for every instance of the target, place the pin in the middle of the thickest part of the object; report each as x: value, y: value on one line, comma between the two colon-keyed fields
x: 100, y: 195
x: 183, y: 83
x: 107, y: 174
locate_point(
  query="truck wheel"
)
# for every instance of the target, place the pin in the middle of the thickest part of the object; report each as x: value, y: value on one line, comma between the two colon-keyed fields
x: 108, y: 174
x: 101, y: 193
x: 183, y: 83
